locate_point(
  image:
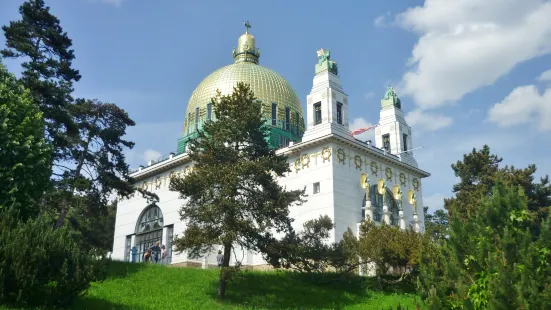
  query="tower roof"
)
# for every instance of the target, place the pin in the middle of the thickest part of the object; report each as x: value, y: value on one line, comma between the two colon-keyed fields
x: 246, y: 50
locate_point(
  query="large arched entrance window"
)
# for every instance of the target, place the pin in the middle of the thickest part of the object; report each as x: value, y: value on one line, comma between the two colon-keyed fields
x: 149, y: 229
x: 377, y: 206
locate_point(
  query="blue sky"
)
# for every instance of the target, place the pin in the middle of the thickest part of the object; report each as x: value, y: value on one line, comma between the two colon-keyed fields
x: 469, y: 72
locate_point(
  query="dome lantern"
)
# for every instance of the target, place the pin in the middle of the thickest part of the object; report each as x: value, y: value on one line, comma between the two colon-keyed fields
x: 246, y: 50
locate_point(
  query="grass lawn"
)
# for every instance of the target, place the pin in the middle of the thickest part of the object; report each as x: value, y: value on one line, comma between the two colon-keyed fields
x: 141, y: 286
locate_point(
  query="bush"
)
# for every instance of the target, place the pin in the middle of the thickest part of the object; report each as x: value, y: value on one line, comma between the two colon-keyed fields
x: 40, y: 265
x: 493, y: 260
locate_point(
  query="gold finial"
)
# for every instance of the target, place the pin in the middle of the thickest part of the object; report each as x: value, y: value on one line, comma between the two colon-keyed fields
x: 247, y: 26
x: 321, y: 52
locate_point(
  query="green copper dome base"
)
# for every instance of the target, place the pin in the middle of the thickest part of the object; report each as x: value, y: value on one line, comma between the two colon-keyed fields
x: 277, y: 137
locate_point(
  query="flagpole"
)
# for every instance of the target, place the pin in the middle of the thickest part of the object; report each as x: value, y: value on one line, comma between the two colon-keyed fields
x: 410, y: 150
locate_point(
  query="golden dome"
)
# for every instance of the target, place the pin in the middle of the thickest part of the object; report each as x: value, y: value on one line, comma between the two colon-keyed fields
x: 267, y: 85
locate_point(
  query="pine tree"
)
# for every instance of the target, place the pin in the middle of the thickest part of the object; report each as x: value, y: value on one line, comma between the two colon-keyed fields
x: 232, y: 196
x: 436, y: 224
x: 47, y: 72
x: 25, y: 164
x: 101, y: 167
x: 86, y: 135
x: 494, y: 260
x: 477, y: 175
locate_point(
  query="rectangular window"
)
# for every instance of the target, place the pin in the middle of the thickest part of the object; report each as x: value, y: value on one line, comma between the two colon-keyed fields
x: 287, y: 119
x: 209, y: 111
x: 284, y: 141
x: 196, y: 118
x: 274, y: 114
x: 297, y: 123
x: 188, y: 121
x: 339, y: 113
x: 317, y: 113
x: 316, y: 188
x: 405, y: 143
x: 127, y: 248
x: 386, y: 142
x: 169, y: 236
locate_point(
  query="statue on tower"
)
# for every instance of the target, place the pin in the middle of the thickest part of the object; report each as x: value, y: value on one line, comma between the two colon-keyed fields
x: 325, y: 62
x: 391, y: 98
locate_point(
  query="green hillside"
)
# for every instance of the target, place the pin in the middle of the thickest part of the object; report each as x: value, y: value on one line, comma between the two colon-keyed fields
x: 140, y: 286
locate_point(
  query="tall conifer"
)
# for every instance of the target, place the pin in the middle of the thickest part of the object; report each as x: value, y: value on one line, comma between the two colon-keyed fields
x: 232, y: 196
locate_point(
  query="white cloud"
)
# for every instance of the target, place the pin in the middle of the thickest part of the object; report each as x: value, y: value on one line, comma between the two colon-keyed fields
x: 427, y: 121
x: 361, y: 123
x: 150, y: 154
x: 152, y: 140
x: 468, y: 44
x: 380, y: 21
x: 545, y: 76
x: 522, y: 106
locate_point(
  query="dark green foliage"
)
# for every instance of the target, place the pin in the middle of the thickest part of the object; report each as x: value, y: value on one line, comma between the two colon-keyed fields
x: 308, y: 251
x: 45, y: 49
x: 478, y: 172
x: 40, y: 266
x: 93, y: 224
x: 25, y: 164
x: 232, y: 196
x: 498, y: 223
x: 388, y: 246
x: 436, y: 224
x: 494, y: 260
x: 100, y: 168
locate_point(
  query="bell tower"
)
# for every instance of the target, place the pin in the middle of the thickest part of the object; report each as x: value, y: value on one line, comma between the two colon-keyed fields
x: 393, y: 133
x: 327, y: 103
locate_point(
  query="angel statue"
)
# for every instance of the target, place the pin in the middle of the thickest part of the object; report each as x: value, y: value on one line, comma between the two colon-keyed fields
x: 399, y: 198
x: 382, y: 189
x: 364, y: 182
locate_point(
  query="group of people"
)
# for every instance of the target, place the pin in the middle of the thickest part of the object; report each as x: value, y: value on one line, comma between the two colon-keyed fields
x: 154, y: 253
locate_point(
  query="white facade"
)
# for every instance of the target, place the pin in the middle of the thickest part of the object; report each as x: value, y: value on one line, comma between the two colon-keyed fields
x: 328, y: 162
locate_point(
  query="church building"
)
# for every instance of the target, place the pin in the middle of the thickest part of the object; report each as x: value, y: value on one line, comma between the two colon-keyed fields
x: 345, y: 178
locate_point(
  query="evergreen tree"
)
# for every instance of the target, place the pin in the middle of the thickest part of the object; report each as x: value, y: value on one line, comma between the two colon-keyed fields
x: 436, y: 224
x: 86, y: 135
x: 101, y: 167
x: 25, y: 164
x: 45, y: 49
x: 477, y: 175
x: 494, y: 260
x: 232, y: 196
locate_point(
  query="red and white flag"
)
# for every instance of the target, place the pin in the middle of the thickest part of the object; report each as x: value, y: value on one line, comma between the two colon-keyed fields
x: 362, y: 130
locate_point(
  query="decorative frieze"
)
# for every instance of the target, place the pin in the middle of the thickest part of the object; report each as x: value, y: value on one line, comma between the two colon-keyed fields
x: 307, y: 160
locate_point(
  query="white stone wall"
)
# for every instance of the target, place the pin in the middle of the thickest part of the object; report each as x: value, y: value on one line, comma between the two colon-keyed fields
x: 129, y: 210
x: 336, y: 166
x: 307, y: 168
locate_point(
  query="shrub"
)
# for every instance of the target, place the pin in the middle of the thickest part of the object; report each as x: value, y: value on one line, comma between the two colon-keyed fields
x: 40, y: 265
x: 492, y: 260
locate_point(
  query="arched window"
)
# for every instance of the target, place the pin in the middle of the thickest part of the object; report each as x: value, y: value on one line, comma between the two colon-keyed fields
x: 377, y: 205
x: 151, y: 219
x: 149, y: 229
